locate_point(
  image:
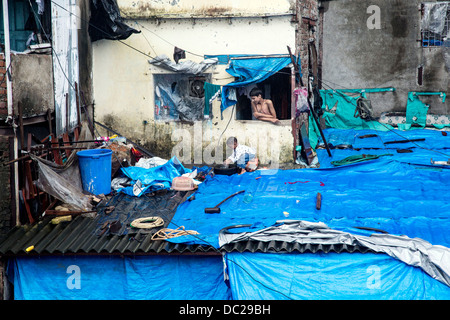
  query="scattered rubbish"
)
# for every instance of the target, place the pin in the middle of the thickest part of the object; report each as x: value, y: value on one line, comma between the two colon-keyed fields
x: 286, y: 214
x: 150, y: 162
x: 183, y: 184
x: 372, y: 229
x: 111, y: 226
x: 404, y: 141
x: 318, y: 201
x: 445, y: 163
x: 58, y: 220
x: 216, y: 209
x: 368, y: 136
x: 248, y: 197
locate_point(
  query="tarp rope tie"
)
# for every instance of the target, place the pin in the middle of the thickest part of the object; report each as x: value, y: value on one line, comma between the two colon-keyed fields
x: 166, y: 233
x: 147, y: 222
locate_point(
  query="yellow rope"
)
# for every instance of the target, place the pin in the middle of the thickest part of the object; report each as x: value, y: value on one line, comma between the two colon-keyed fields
x: 147, y: 223
x: 166, y: 233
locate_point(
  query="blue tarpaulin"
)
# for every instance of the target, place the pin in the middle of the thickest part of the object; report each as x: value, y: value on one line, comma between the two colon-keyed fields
x: 251, y: 70
x: 391, y: 193
x: 328, y: 276
x: 117, y: 278
x: 402, y: 194
x: 152, y: 179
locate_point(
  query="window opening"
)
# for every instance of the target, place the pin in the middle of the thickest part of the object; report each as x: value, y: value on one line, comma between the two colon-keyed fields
x: 276, y: 88
x: 179, y: 97
x: 435, y: 26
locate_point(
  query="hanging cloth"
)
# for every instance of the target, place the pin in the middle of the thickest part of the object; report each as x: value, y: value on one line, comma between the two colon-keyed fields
x: 212, y: 91
x: 178, y: 54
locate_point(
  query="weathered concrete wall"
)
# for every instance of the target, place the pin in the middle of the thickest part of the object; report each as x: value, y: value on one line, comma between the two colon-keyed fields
x: 124, y: 89
x: 355, y: 56
x: 203, y: 8
x: 32, y: 82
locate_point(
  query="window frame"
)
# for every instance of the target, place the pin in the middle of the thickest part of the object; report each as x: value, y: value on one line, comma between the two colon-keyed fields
x: 285, y: 120
x: 425, y: 41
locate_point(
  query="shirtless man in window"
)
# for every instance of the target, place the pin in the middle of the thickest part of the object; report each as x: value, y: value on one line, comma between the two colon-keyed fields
x: 263, y: 109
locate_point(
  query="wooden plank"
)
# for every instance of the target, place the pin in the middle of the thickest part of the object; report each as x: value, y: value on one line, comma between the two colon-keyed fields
x: 27, y: 208
x: 56, y: 155
x: 66, y: 141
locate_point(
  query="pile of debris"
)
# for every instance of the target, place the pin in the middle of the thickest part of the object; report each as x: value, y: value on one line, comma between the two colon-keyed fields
x: 52, y: 183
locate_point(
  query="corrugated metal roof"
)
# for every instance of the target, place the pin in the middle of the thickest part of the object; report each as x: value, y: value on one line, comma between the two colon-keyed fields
x: 82, y: 236
x: 77, y: 237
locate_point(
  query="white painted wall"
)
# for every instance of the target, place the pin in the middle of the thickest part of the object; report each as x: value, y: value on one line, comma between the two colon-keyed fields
x: 123, y: 83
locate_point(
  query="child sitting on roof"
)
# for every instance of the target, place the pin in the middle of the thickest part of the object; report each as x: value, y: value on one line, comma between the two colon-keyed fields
x: 243, y: 156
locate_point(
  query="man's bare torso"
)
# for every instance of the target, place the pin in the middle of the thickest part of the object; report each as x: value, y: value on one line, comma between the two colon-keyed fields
x: 263, y: 107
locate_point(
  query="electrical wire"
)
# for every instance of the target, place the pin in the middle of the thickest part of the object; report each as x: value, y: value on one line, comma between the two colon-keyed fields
x: 147, y: 55
x: 157, y: 35
x: 103, y: 31
x: 165, y: 216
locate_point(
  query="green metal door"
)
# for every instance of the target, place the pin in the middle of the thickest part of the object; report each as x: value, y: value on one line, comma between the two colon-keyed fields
x: 19, y: 12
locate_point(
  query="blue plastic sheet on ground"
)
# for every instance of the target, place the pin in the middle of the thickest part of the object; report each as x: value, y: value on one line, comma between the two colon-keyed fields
x: 116, y: 278
x: 402, y: 194
x: 153, y: 179
x: 328, y: 276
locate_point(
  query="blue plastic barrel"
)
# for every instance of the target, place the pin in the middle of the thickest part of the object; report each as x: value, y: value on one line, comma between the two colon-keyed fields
x: 95, y: 170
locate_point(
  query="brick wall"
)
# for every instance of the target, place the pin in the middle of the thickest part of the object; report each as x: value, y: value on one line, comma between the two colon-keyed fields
x: 308, y: 23
x: 5, y: 182
x: 3, y: 99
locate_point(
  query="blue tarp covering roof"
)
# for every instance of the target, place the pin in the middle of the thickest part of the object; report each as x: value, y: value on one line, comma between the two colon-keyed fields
x: 251, y: 70
x: 118, y: 278
x: 401, y: 194
x: 328, y: 276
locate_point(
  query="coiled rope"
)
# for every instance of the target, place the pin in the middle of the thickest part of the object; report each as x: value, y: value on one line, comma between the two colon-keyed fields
x: 147, y: 222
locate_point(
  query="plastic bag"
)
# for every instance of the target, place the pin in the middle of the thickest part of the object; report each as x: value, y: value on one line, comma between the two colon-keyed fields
x: 106, y: 22
x: 301, y: 101
x: 63, y: 182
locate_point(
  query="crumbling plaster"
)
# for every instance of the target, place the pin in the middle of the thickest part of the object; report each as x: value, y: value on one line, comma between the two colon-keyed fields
x: 144, y: 9
x: 123, y: 83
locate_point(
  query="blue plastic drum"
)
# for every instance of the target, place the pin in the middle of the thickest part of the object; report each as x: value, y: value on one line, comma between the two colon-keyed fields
x: 95, y: 170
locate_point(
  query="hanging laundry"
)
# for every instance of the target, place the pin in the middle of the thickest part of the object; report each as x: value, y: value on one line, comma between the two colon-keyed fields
x: 178, y: 54
x: 40, y: 4
x: 212, y: 91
